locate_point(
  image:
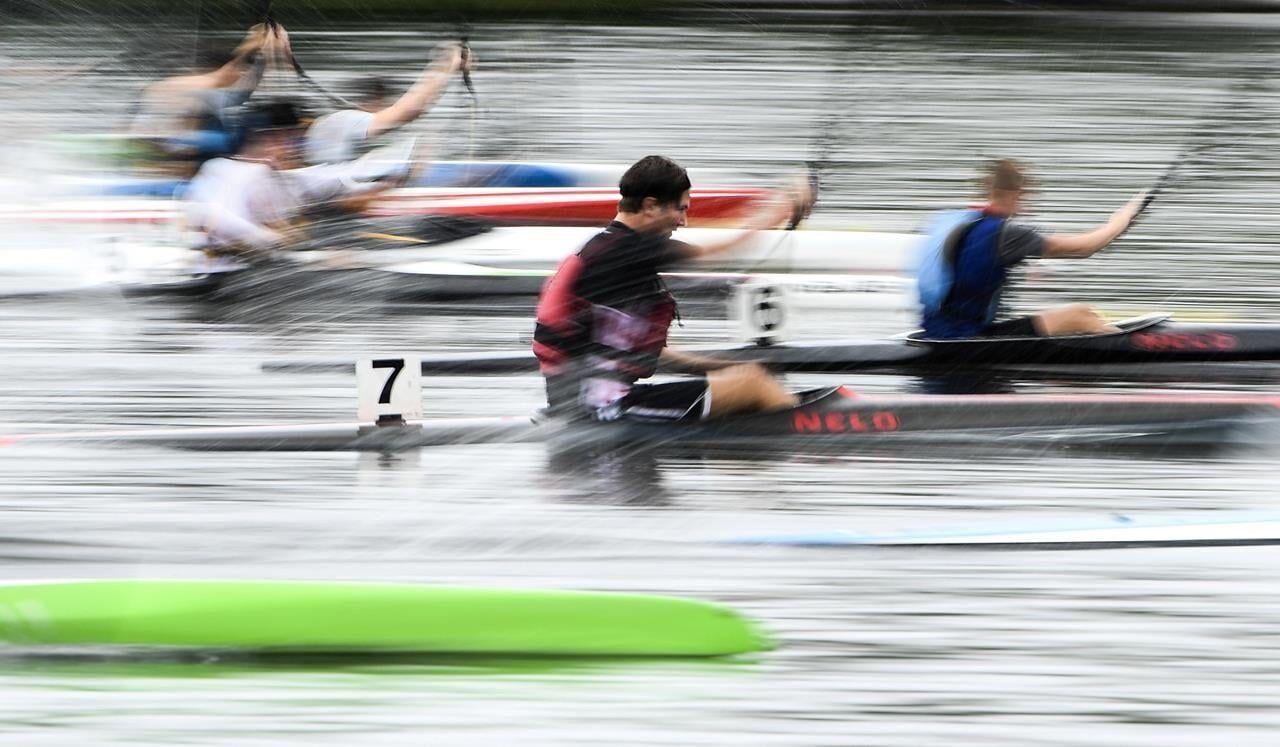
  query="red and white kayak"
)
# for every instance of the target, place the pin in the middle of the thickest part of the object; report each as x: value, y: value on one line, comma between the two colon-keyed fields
x: 592, y: 206
x: 102, y: 210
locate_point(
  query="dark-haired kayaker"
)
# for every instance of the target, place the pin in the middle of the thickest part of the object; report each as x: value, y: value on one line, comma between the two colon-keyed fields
x: 344, y: 135
x: 603, y: 317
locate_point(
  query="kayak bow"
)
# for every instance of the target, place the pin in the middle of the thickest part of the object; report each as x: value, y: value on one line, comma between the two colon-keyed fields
x: 299, y: 616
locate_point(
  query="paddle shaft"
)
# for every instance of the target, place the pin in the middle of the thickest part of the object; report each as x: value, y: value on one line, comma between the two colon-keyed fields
x: 465, y: 44
x: 1208, y: 124
x: 1163, y: 180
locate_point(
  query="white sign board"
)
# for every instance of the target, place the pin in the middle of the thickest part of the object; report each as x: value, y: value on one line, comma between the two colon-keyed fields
x: 389, y: 387
x: 761, y: 310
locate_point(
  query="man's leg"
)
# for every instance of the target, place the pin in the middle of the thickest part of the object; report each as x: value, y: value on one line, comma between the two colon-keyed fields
x: 1073, y: 319
x: 746, y: 388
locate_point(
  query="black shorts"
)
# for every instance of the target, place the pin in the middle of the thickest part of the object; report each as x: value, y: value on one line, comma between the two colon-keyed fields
x: 689, y: 399
x: 1023, y: 326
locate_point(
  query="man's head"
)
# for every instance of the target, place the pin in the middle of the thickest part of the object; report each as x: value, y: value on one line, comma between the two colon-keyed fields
x: 1006, y: 183
x: 373, y: 94
x: 271, y: 131
x: 655, y: 195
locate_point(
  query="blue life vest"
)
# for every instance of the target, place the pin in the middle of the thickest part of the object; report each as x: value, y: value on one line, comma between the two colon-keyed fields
x: 959, y: 274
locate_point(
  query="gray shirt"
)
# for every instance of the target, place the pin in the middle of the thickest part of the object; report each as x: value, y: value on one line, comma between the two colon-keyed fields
x: 1019, y: 242
x: 338, y: 137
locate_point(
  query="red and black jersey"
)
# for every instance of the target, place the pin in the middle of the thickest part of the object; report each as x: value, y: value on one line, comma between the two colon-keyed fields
x: 607, y: 306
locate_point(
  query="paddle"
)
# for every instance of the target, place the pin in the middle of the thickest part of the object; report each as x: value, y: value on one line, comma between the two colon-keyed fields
x: 305, y: 77
x: 814, y: 167
x: 1162, y: 182
x: 1204, y: 133
x: 465, y: 44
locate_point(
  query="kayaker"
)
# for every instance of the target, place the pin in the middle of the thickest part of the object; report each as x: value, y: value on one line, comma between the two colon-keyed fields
x: 603, y: 317
x: 250, y: 203
x: 344, y: 135
x: 196, y: 117
x: 967, y: 254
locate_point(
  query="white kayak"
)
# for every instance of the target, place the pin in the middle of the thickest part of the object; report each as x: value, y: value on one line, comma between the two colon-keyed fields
x: 847, y: 268
x: 768, y: 251
x: 542, y: 247
x: 1223, y: 528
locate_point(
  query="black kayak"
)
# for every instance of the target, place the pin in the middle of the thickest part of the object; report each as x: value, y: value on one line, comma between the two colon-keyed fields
x: 837, y: 417
x: 1141, y: 341
x: 826, y: 420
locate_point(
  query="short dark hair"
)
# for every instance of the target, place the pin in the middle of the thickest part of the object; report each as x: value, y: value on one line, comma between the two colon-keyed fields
x: 652, y: 176
x: 266, y: 118
x: 1006, y: 175
x: 373, y: 88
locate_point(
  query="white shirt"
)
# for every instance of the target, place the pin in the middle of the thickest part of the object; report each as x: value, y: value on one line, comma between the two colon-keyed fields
x: 338, y: 137
x: 236, y: 201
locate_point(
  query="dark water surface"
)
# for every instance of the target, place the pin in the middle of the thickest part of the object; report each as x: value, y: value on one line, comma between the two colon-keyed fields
x: 876, y: 647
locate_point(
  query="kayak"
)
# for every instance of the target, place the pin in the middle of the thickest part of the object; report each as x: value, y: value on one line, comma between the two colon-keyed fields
x: 304, y: 616
x: 435, y: 280
x: 559, y: 207
x: 439, y: 174
x: 1141, y: 342
x: 825, y: 420
x: 542, y: 248
x: 1200, y: 529
x: 516, y: 261
x: 115, y: 151
x: 520, y: 207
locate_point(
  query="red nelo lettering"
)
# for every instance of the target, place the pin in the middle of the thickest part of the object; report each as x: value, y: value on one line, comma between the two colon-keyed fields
x: 835, y: 422
x: 885, y: 421
x: 807, y: 422
x: 1207, y: 341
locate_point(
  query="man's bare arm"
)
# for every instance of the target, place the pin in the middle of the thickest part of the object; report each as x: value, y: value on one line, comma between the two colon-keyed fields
x: 1079, y: 245
x: 415, y: 101
x: 227, y: 75
x: 796, y: 201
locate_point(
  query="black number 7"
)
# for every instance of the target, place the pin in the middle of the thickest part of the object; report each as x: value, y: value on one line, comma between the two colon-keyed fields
x: 396, y: 365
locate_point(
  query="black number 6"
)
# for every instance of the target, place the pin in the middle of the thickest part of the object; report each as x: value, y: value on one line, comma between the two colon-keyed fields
x: 766, y: 313
x: 396, y: 365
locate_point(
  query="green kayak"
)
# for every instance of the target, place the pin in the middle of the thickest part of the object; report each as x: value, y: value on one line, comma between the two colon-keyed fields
x: 305, y: 616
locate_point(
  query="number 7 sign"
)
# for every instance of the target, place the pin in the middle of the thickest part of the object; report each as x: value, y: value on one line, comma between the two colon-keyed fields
x: 389, y: 389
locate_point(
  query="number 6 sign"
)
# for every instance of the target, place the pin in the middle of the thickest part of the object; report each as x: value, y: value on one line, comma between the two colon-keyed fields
x: 761, y: 312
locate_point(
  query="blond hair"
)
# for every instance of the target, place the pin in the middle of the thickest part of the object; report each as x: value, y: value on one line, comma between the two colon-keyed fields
x: 1006, y: 175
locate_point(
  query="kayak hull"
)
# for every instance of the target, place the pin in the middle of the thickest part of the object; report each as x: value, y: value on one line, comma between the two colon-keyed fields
x: 826, y: 420
x: 1194, y: 529
x: 528, y: 207
x: 515, y: 261
x: 297, y: 616
x: 559, y: 207
x: 1154, y: 342
x: 838, y: 418
x: 437, y: 174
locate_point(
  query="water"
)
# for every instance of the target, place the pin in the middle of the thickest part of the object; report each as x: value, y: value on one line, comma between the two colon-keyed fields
x: 884, y: 647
